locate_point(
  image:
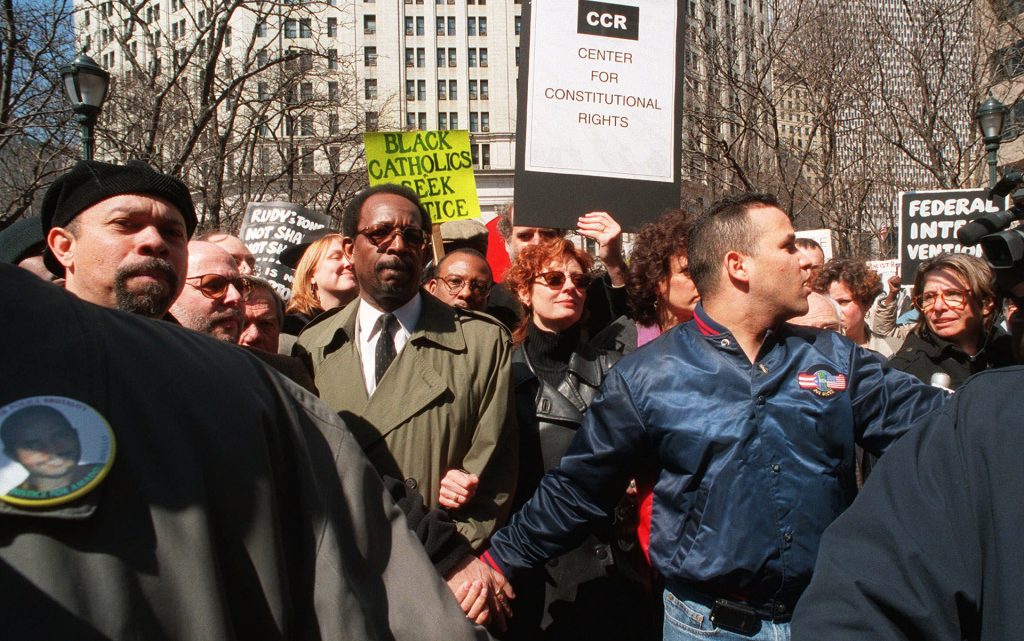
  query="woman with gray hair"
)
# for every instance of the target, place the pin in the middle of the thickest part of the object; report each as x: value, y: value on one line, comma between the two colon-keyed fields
x: 955, y: 335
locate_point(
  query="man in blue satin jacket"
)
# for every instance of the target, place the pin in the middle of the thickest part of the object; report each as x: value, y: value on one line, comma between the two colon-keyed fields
x: 748, y: 427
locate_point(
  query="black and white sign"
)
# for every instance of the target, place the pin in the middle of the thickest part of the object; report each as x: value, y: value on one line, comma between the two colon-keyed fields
x: 271, y: 228
x: 600, y: 111
x: 929, y: 221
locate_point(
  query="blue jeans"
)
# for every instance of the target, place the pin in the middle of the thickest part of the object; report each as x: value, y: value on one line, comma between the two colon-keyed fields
x: 687, y: 620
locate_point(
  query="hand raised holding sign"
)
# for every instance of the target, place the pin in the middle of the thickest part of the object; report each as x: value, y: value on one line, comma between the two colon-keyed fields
x: 600, y: 227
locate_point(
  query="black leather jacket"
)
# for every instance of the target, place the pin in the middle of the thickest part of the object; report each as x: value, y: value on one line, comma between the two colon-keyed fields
x: 592, y: 591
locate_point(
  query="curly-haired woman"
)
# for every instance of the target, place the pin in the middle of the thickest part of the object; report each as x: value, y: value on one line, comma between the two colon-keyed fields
x: 660, y: 294
x: 854, y: 287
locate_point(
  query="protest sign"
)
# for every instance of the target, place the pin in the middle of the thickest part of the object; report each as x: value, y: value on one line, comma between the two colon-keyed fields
x: 600, y: 107
x: 437, y: 165
x: 886, y: 269
x: 929, y: 221
x: 270, y: 228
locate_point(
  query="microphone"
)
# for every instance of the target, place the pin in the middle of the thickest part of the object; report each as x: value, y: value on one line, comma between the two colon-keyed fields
x: 984, y: 225
x: 1006, y: 184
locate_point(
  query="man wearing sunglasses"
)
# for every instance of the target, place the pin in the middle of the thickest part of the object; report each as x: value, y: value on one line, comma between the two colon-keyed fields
x: 423, y: 386
x: 213, y: 301
x: 118, y: 235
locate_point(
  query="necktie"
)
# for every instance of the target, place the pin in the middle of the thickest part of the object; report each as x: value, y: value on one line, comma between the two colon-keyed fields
x: 385, y: 346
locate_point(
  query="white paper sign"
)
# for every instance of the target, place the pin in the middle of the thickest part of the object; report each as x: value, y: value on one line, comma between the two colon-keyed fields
x: 601, y: 91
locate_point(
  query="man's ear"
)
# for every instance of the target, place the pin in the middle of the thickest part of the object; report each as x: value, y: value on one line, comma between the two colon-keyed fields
x: 432, y: 286
x: 62, y: 243
x: 347, y: 248
x: 736, y: 266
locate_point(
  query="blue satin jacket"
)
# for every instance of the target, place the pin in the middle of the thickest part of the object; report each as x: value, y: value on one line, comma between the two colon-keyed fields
x: 751, y: 461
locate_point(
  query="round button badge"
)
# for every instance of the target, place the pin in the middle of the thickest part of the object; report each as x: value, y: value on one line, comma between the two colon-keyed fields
x: 54, y: 450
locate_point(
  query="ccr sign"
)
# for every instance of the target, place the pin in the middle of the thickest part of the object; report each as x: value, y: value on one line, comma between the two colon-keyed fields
x: 608, y: 20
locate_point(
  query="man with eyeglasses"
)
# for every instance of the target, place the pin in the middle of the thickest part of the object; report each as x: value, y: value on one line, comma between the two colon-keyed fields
x: 118, y: 235
x: 462, y: 279
x: 423, y: 386
x: 213, y: 301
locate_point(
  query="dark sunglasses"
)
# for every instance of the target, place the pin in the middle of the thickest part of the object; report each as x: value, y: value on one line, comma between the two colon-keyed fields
x: 215, y: 286
x: 557, y: 279
x: 381, y: 236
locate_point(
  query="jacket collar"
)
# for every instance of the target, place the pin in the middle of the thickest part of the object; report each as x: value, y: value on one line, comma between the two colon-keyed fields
x: 585, y: 363
x: 438, y: 324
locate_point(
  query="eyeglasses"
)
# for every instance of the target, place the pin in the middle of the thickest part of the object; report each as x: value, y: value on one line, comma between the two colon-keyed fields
x: 952, y: 298
x: 215, y: 286
x: 455, y: 285
x: 557, y: 279
x: 381, y: 236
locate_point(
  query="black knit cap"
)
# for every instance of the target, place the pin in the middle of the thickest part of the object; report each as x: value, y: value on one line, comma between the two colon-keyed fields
x: 20, y: 240
x: 91, y: 181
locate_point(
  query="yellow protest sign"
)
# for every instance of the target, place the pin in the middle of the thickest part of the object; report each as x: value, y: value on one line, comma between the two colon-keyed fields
x: 437, y: 165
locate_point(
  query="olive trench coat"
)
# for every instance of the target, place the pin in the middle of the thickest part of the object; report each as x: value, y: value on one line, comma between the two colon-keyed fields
x: 445, y: 402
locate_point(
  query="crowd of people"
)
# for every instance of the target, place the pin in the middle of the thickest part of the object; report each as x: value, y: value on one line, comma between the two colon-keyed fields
x: 628, y: 448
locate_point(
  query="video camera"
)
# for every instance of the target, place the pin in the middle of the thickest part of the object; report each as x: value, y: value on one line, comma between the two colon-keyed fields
x: 1003, y: 248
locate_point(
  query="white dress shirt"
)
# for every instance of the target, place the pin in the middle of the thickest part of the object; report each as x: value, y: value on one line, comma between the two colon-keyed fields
x: 368, y: 333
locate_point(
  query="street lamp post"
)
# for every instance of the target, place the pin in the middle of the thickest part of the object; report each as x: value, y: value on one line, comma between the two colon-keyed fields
x: 85, y: 84
x: 990, y: 116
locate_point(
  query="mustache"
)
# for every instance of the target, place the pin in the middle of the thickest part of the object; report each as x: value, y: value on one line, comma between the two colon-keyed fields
x: 150, y: 266
x: 398, y: 265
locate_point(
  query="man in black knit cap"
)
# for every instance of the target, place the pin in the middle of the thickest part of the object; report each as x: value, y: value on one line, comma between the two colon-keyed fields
x: 119, y: 235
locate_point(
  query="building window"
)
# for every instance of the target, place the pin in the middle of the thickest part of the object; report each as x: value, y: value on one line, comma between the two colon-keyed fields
x: 261, y: 58
x: 453, y: 90
x: 421, y: 57
x: 291, y: 28
x: 410, y: 57
x: 369, y: 24
x: 453, y: 120
x: 332, y: 124
x: 474, y: 122
x: 408, y: 25
x: 483, y: 56
x: 440, y: 57
x: 519, y: 25
x: 472, y: 89
x: 410, y: 90
x: 370, y: 56
x: 470, y: 26
x: 517, y: 56
x: 483, y: 26
x: 440, y: 25
x: 485, y: 156
x: 419, y: 26
x: 332, y: 90
x: 442, y: 120
x: 421, y: 120
x: 451, y: 25
x: 421, y: 89
x: 442, y: 90
x: 452, y: 57
x: 262, y: 91
x: 306, y: 28
x: 306, y: 124
x: 370, y: 88
x: 332, y: 59
x: 410, y: 120
x: 306, y: 90
x: 472, y: 57
x: 332, y: 27
x: 485, y: 121
x: 334, y: 153
x: 371, y: 121
x: 289, y: 125
x: 484, y: 91
x: 307, y: 160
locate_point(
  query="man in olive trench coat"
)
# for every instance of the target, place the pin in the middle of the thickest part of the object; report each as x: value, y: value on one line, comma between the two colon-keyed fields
x: 444, y: 401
